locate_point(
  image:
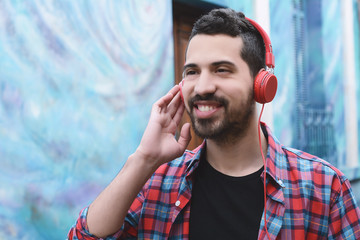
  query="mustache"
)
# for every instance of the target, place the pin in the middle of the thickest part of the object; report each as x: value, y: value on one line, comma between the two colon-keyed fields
x: 207, y: 97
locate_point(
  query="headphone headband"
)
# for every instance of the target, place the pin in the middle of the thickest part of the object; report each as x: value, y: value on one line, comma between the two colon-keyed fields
x: 269, y: 56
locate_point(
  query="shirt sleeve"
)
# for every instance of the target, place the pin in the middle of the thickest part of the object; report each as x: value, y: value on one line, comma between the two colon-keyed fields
x: 344, y: 221
x: 80, y: 231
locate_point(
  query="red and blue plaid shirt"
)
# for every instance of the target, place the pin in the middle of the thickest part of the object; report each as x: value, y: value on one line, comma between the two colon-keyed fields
x: 307, y: 198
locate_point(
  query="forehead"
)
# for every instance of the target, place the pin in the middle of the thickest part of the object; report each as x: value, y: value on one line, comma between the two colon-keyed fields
x: 211, y: 48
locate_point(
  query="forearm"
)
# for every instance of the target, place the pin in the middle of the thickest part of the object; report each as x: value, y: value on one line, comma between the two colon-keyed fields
x: 107, y: 213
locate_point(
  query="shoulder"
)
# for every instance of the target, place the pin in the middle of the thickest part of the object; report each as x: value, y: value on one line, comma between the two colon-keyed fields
x: 305, y: 162
x: 313, y: 175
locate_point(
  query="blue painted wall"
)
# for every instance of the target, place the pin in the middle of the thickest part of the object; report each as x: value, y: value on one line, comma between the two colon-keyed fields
x: 322, y: 72
x: 77, y: 82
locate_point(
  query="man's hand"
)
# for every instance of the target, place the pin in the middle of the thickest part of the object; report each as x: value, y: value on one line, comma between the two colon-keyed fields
x: 158, y: 144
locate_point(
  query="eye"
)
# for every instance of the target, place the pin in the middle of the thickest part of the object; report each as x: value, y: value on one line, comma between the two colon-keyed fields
x: 190, y: 72
x: 223, y: 70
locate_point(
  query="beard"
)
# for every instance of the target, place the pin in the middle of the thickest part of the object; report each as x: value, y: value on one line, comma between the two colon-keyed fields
x: 229, y: 127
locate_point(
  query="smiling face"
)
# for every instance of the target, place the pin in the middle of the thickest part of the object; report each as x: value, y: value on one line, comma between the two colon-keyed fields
x: 218, y: 87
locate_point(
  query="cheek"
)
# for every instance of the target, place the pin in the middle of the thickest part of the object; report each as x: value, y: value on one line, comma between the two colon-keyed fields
x: 237, y: 96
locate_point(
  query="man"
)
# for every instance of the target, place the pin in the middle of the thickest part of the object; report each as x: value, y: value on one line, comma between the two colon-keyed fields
x: 216, y: 191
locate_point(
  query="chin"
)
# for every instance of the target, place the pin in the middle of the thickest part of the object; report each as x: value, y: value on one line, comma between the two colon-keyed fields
x: 207, y: 128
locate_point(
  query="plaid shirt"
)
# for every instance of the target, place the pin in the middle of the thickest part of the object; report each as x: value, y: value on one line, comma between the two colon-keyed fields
x: 307, y: 199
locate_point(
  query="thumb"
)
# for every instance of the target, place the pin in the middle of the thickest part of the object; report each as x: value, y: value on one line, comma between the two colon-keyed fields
x: 185, y: 136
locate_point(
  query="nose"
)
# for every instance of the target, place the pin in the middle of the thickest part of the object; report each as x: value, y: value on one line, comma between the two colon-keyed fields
x: 205, y: 84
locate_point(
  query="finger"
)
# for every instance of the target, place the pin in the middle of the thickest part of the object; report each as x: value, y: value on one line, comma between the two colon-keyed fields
x: 163, y: 102
x: 185, y: 136
x: 174, y: 105
x: 175, y: 89
x: 179, y: 113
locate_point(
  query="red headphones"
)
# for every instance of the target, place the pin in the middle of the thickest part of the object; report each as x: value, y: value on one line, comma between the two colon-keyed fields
x: 265, y: 86
x: 265, y: 83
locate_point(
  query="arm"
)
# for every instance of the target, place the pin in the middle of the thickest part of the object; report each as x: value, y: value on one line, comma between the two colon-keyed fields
x: 344, y: 221
x: 158, y: 145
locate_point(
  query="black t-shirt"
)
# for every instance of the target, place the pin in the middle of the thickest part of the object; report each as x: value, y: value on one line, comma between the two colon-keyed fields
x: 225, y: 207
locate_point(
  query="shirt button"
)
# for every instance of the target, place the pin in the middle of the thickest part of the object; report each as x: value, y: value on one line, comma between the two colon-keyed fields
x: 281, y: 183
x: 177, y: 203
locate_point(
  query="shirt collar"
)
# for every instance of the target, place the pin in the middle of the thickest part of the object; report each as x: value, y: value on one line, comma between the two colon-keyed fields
x: 192, y: 158
x: 274, y: 159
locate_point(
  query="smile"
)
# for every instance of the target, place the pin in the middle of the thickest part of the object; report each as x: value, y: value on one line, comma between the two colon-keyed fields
x: 204, y: 108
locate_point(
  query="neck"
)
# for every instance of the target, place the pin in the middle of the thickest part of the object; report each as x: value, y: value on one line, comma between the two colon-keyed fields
x: 240, y: 157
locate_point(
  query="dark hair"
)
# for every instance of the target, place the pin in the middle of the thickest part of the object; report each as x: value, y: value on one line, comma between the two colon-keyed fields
x: 229, y: 22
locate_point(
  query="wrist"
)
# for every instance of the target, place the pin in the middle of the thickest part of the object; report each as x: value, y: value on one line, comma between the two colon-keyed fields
x: 144, y: 162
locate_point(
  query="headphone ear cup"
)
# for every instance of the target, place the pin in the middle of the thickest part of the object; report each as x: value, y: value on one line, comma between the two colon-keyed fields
x: 265, y: 86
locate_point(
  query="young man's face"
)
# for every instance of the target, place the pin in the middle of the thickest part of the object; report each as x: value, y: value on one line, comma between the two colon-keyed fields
x: 217, y: 86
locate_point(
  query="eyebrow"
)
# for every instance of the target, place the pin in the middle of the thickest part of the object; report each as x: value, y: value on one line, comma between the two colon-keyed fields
x: 214, y: 64
x: 190, y: 65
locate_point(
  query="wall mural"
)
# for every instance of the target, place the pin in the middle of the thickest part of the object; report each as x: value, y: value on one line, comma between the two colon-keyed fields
x: 77, y: 82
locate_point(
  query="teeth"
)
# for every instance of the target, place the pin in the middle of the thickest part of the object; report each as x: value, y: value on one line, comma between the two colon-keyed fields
x: 205, y: 108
